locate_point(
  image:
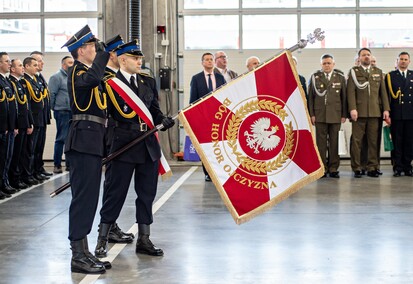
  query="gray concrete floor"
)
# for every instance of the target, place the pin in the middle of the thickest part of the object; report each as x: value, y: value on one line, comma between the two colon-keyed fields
x: 332, y: 231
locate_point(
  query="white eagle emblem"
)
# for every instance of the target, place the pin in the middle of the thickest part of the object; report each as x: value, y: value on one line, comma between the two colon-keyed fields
x: 262, y: 137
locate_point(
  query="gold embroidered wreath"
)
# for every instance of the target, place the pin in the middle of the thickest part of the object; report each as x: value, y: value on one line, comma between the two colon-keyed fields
x: 234, y: 124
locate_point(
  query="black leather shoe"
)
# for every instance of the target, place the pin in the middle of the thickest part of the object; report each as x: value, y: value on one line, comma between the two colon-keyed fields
x: 45, y: 176
x: 2, y: 195
x: 408, y: 173
x: 207, y: 178
x: 8, y: 190
x: 31, y: 181
x: 379, y: 172
x: 44, y: 172
x: 145, y: 246
x: 117, y: 236
x: 357, y: 174
x: 82, y: 263
x: 334, y: 175
x: 363, y: 172
x: 22, y: 185
x: 105, y: 263
x: 374, y: 174
x: 397, y: 174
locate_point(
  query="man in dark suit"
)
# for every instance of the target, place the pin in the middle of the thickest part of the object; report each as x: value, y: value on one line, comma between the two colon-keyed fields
x: 328, y: 110
x: 85, y: 144
x: 399, y: 87
x: 205, y: 82
x: 368, y: 103
x: 141, y: 161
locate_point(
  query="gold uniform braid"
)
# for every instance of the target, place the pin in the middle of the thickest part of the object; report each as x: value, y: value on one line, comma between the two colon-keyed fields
x: 398, y: 93
x: 95, y: 92
x: 115, y: 103
x: 32, y: 94
x: 22, y: 102
x: 3, y: 96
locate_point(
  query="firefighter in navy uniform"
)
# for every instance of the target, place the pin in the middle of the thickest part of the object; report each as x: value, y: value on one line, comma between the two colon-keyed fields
x: 7, y: 88
x: 141, y: 161
x: 85, y: 144
x: 116, y: 235
x: 38, y: 162
x: 20, y: 160
x: 35, y: 97
x: 399, y: 85
x: 4, y: 117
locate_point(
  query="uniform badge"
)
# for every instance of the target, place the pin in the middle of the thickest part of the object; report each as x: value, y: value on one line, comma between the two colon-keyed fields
x: 125, y: 108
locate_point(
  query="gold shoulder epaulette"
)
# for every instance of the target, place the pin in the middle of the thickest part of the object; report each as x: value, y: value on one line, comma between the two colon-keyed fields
x: 145, y: 74
x: 109, y: 76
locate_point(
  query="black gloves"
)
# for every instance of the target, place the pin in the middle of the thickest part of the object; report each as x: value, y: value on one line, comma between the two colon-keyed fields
x: 100, y: 46
x: 167, y: 123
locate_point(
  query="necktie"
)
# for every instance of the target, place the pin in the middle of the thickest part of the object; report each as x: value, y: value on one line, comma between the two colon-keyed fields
x: 404, y: 75
x: 210, y: 88
x: 133, y: 84
x: 328, y: 76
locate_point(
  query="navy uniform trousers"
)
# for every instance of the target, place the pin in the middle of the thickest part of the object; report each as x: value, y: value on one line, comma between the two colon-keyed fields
x: 117, y: 180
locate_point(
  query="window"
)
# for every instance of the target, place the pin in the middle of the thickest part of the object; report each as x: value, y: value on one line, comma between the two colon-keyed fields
x: 386, y: 3
x: 339, y: 33
x: 269, y: 4
x: 328, y: 3
x: 269, y: 31
x: 22, y: 22
x: 59, y: 31
x: 211, y: 32
x: 386, y: 30
x: 208, y: 4
x: 73, y: 5
x: 19, y: 35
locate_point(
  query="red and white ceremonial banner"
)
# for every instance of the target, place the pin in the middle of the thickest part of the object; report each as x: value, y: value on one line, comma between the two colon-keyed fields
x: 143, y: 112
x: 255, y: 138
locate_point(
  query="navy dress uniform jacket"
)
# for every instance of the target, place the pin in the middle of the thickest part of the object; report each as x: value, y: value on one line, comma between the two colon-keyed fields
x: 148, y: 93
x: 24, y: 118
x: 401, y: 107
x: 35, y: 107
x: 86, y: 136
x: 7, y: 87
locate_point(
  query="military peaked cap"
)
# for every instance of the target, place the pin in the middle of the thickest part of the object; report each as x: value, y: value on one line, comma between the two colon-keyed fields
x: 130, y: 48
x: 81, y: 37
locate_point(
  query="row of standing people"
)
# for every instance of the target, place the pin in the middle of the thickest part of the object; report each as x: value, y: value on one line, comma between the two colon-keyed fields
x: 367, y: 97
x: 24, y: 116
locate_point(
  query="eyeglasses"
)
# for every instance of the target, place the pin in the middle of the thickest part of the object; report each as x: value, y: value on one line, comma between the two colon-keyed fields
x: 223, y: 57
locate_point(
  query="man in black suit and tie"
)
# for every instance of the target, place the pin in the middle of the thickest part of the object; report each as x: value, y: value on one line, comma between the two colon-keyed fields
x: 399, y: 87
x: 205, y: 82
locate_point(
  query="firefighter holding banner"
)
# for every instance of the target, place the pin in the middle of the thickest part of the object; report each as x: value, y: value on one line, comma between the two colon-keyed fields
x: 142, y: 160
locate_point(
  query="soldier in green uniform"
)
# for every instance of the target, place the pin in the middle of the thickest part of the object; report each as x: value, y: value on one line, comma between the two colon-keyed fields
x: 328, y: 109
x: 368, y: 104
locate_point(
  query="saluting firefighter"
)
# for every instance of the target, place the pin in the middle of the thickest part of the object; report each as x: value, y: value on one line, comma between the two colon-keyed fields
x: 399, y: 85
x: 141, y: 161
x: 328, y: 109
x: 368, y: 103
x: 116, y: 235
x: 85, y: 144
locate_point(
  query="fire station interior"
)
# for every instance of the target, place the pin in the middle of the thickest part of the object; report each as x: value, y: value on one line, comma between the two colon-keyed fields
x: 343, y: 230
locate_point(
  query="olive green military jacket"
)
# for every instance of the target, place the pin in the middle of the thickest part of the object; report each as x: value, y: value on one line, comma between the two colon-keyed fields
x: 366, y: 92
x: 327, y: 98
